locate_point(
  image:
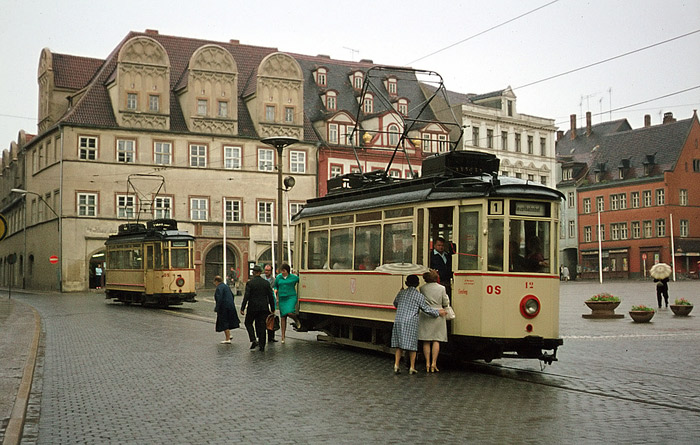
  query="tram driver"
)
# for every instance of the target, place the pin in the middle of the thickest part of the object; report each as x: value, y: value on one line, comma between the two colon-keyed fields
x: 441, y: 260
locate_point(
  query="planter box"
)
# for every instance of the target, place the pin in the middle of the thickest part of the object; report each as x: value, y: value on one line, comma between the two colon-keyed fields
x: 682, y: 310
x: 602, y: 309
x: 642, y: 316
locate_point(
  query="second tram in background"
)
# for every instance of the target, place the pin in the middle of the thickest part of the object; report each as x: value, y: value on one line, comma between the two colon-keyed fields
x: 151, y: 264
x: 506, y: 284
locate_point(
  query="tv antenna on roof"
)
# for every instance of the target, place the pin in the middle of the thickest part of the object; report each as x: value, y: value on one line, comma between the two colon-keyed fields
x: 352, y: 52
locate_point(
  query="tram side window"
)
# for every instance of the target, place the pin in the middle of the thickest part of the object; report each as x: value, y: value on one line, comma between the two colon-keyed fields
x: 341, y: 248
x: 367, y: 243
x: 157, y: 260
x: 495, y: 245
x: 318, y: 250
x: 468, y: 240
x: 166, y: 256
x: 136, y: 258
x: 398, y: 243
x: 179, y: 255
x: 529, y: 246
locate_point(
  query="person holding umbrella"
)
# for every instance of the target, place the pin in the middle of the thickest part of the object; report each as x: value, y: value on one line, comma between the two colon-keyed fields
x: 660, y: 272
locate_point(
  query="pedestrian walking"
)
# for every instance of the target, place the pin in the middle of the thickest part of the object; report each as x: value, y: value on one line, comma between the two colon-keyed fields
x: 260, y: 302
x: 661, y: 272
x: 404, y: 335
x: 432, y: 330
x: 286, y: 287
x: 225, y: 308
x: 270, y: 278
x: 565, y: 274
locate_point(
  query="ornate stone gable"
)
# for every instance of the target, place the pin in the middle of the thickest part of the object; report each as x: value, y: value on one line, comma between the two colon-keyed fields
x: 144, y: 51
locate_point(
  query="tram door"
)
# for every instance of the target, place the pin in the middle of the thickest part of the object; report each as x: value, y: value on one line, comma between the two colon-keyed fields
x: 440, y: 225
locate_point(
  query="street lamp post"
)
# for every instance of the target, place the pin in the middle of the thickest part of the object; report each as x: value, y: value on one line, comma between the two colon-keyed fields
x: 279, y: 142
x: 60, y: 253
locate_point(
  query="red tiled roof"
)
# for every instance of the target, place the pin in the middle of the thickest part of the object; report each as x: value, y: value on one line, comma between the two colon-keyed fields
x: 74, y: 72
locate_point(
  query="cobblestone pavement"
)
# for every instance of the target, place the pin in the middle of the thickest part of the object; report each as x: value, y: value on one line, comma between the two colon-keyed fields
x: 110, y: 373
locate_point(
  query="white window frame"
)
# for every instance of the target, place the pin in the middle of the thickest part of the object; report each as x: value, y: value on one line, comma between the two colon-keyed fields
x: 393, y: 135
x: 198, y: 155
x: 586, y: 205
x: 660, y: 227
x: 199, y: 209
x: 623, y: 201
x: 402, y: 107
x: 132, y: 101
x: 587, y: 234
x: 266, y: 159
x: 297, y: 161
x: 270, y: 113
x: 336, y: 170
x: 126, y: 206
x: 126, y: 151
x: 660, y: 197
x: 572, y: 229
x: 202, y: 107
x: 223, y: 108
x: 634, y: 196
x: 648, y: 229
x: 154, y: 103
x: 232, y: 157
x: 87, y: 148
x: 646, y: 195
x: 266, y: 210
x: 600, y: 203
x: 295, y: 207
x: 87, y: 204
x: 684, y: 228
x: 163, y: 207
x: 368, y: 103
x: 571, y: 199
x: 623, y: 230
x: 232, y: 210
x: 636, y: 229
x: 333, y: 133
x: 161, y: 157
x: 683, y: 197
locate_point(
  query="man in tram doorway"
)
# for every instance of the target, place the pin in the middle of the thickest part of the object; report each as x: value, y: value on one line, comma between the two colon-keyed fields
x: 441, y: 261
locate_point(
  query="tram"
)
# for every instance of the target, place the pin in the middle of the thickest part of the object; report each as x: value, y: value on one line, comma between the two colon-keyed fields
x: 151, y: 264
x: 506, y: 303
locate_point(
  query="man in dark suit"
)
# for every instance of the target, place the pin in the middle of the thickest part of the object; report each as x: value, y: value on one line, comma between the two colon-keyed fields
x: 260, y: 301
x: 270, y: 278
x: 441, y: 261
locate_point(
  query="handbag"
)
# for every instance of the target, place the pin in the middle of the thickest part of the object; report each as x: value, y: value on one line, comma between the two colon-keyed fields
x: 272, y: 322
x: 450, y: 313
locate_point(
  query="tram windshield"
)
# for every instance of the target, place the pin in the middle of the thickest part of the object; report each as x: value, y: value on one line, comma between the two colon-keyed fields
x: 528, y: 244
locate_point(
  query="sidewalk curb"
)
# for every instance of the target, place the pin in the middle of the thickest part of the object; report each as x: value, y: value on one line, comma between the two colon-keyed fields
x: 13, y: 432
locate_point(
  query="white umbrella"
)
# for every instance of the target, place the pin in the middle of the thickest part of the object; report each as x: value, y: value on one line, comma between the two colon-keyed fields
x: 660, y: 271
x: 402, y: 268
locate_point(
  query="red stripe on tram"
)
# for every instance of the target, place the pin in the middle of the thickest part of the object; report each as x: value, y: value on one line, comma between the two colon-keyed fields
x: 347, y: 303
x: 495, y: 274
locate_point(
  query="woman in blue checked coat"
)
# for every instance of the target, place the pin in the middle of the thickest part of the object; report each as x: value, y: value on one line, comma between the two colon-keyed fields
x: 404, y: 335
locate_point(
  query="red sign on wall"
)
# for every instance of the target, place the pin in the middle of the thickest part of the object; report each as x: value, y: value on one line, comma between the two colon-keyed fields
x: 53, y: 259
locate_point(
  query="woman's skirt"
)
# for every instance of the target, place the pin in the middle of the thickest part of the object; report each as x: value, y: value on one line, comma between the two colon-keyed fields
x: 227, y: 319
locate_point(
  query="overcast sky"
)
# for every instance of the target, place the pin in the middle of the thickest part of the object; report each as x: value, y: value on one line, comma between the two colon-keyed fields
x: 560, y: 36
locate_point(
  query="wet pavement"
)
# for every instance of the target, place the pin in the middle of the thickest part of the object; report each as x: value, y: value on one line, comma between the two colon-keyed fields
x: 109, y: 373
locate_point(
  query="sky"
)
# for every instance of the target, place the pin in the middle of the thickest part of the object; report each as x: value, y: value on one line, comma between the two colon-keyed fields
x: 476, y: 46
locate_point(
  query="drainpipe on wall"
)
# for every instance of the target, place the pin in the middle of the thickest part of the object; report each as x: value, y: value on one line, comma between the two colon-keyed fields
x: 60, y: 217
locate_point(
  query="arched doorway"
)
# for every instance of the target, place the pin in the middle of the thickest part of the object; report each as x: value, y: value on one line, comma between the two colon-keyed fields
x: 266, y: 256
x: 214, y: 264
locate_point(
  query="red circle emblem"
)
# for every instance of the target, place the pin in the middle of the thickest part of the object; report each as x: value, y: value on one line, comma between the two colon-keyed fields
x: 53, y: 259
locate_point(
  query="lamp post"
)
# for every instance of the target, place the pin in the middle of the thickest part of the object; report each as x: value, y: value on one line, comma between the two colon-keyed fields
x: 279, y: 142
x: 60, y: 253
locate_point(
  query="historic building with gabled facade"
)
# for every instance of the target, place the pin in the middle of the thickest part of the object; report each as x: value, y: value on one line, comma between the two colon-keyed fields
x: 641, y: 183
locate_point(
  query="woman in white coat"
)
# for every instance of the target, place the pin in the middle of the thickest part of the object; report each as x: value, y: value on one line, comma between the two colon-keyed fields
x: 432, y: 331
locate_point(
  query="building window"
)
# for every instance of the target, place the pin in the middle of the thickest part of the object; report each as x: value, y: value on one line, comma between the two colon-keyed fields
x: 683, y: 197
x: 442, y: 142
x: 331, y: 103
x: 198, y: 209
x: 394, y: 173
x: 647, y: 229
x: 543, y: 146
x: 623, y: 230
x: 510, y: 107
x: 571, y: 200
x: 153, y: 103
x: 504, y: 140
x: 162, y: 207
x: 333, y: 133
x: 265, y: 212
x: 321, y: 77
x: 391, y: 86
x: 489, y: 138
x: 646, y: 196
x: 613, y: 202
x: 660, y: 197
x: 623, y: 201
x: 601, y: 231
x: 87, y: 204
x: 572, y: 229
x: 543, y: 180
x: 295, y: 207
x: 519, y: 175
x: 336, y: 170
x: 587, y: 236
x: 202, y: 107
x: 270, y: 113
x: 696, y: 165
x: 600, y: 203
x: 87, y: 147
x: 518, y: 147
x: 125, y: 150
x: 635, y: 200
x: 198, y: 155
x: 232, y: 209
x: 357, y: 80
x: 530, y: 145
x: 475, y: 136
x: 297, y: 161
x: 289, y: 114
x: 403, y: 107
x: 684, y: 228
x: 660, y: 227
x: 393, y: 131
x: 530, y: 178
x: 504, y: 173
x: 586, y: 205
x: 636, y: 231
x: 223, y: 108
x: 162, y: 153
x: 132, y: 101
x: 368, y: 104
x: 232, y: 158
x: 126, y: 206
x: 614, y: 232
x: 266, y: 157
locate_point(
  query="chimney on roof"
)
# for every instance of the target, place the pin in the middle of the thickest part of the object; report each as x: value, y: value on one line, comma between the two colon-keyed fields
x: 588, y: 123
x: 234, y: 42
x: 573, y: 126
x: 366, y: 61
x: 668, y: 118
x: 560, y: 134
x: 324, y: 56
x: 153, y: 32
x: 647, y: 120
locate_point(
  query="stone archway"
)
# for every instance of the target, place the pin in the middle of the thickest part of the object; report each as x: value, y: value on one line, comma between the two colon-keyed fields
x: 214, y: 263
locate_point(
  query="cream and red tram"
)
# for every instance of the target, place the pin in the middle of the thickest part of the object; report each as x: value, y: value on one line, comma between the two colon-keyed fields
x: 151, y: 264
x: 506, y: 287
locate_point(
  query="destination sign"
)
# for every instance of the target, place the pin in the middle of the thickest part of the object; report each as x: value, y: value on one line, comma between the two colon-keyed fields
x: 523, y: 208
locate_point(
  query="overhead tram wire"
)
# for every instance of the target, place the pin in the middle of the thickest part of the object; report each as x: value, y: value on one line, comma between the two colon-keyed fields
x: 482, y: 32
x: 607, y: 60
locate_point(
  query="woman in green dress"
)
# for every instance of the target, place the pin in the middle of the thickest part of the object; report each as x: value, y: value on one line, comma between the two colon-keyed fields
x: 286, y: 288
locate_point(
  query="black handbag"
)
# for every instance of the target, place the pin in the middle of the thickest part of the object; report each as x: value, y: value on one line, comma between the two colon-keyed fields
x: 272, y: 322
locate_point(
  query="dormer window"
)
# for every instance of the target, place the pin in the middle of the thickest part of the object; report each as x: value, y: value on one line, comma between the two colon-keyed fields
x: 321, y: 77
x: 202, y: 107
x: 567, y: 174
x: 132, y: 101
x: 393, y: 135
x: 391, y: 86
x: 368, y: 106
x: 357, y: 79
x: 331, y: 98
x: 402, y: 107
x: 649, y: 164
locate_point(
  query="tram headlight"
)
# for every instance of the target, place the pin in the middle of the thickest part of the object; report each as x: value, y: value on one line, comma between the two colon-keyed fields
x: 180, y: 281
x: 529, y: 306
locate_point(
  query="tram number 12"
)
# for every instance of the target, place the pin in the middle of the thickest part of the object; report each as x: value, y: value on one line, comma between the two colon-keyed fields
x: 529, y: 285
x: 493, y: 289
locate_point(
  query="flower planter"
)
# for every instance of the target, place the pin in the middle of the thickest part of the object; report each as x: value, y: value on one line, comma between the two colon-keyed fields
x: 602, y: 309
x: 682, y: 310
x: 642, y: 316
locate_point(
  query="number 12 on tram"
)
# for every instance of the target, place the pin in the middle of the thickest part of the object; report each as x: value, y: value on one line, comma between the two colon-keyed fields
x: 505, y: 290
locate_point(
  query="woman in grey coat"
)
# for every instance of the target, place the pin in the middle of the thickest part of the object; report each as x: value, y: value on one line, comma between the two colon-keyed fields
x: 404, y: 336
x: 431, y: 331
